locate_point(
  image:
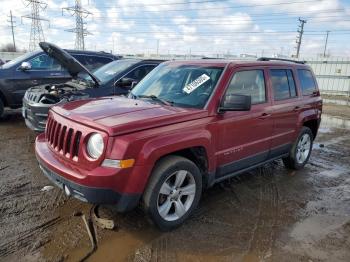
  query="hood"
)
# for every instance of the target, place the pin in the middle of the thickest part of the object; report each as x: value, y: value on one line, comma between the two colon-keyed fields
x: 66, y: 60
x: 119, y: 115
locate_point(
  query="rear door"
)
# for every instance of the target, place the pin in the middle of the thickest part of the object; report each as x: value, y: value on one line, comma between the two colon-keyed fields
x: 245, y: 136
x: 286, y: 109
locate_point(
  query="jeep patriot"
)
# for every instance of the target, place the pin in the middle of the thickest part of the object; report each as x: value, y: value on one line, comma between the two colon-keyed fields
x: 186, y: 126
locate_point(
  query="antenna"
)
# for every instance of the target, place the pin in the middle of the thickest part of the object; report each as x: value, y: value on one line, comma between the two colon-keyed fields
x: 79, y: 30
x: 36, y: 31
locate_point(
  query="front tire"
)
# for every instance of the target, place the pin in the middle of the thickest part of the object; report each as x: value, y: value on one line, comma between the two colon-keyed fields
x: 301, y: 150
x: 173, y: 192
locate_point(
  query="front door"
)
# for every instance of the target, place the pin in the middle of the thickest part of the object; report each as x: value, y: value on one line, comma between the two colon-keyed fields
x: 44, y: 70
x: 245, y: 137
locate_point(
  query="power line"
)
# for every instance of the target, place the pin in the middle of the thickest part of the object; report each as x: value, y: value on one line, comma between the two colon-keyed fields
x: 301, y: 32
x: 12, y: 29
x: 206, y: 8
x: 36, y: 31
x: 79, y: 30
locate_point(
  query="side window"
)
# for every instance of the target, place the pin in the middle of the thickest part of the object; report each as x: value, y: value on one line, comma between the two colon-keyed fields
x: 307, y: 83
x: 250, y: 83
x: 283, y: 84
x: 140, y: 72
x: 44, y: 62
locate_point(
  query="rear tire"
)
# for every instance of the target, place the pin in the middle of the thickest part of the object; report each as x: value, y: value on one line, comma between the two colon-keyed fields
x: 173, y: 192
x: 301, y: 150
x: 1, y: 109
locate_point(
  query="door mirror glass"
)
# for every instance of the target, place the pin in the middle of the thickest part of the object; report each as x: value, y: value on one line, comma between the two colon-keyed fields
x: 233, y: 102
x: 126, y: 82
x: 25, y: 66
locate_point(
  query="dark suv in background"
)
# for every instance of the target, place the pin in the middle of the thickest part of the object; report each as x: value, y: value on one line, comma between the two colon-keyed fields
x: 37, y: 68
x: 115, y: 78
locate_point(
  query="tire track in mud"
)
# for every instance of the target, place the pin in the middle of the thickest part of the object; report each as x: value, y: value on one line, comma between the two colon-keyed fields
x: 220, y: 222
x: 262, y: 238
x: 26, y: 214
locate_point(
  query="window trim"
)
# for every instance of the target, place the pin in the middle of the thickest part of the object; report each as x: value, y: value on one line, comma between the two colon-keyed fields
x: 295, y: 86
x: 250, y: 69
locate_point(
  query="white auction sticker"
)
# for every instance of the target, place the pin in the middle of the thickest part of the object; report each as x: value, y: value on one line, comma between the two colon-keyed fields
x: 196, y: 83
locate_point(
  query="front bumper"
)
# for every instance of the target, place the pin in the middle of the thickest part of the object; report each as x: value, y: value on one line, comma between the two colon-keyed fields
x: 35, y: 115
x: 95, y: 186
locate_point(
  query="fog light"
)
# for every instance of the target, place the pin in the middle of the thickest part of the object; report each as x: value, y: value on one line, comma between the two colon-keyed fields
x: 66, y: 190
x: 118, y: 163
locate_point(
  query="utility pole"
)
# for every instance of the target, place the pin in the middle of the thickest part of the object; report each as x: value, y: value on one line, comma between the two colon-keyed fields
x: 301, y: 32
x: 157, y: 47
x: 80, y: 31
x: 325, y: 45
x: 36, y: 31
x: 12, y: 28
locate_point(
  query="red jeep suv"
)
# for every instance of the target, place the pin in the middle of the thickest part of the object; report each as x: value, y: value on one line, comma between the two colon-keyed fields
x: 186, y: 126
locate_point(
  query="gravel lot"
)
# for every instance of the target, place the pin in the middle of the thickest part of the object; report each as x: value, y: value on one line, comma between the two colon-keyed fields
x: 269, y: 214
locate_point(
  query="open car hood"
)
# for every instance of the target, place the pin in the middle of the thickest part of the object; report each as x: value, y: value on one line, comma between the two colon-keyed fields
x: 66, y: 60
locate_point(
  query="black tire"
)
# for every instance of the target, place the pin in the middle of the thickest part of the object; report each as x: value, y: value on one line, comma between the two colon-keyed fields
x: 163, y: 172
x: 291, y: 161
x: 1, y: 109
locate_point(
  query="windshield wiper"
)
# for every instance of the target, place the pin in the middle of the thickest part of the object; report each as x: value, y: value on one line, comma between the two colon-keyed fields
x: 155, y: 98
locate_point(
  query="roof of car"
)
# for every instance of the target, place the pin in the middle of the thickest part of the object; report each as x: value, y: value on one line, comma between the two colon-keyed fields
x: 87, y: 52
x: 225, y: 62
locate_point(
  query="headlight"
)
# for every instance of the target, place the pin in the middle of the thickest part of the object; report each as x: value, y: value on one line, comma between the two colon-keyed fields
x: 95, y: 146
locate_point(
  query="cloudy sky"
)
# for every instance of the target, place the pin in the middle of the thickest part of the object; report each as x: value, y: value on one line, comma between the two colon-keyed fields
x: 201, y: 27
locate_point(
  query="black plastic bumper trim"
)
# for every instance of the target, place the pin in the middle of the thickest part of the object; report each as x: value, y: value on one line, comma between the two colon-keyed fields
x: 121, y: 202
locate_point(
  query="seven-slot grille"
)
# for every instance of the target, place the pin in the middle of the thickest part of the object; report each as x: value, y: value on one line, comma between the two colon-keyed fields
x: 63, y: 139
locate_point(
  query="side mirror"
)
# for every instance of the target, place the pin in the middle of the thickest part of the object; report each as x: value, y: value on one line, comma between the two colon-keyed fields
x: 235, y: 103
x: 126, y: 82
x: 25, y: 66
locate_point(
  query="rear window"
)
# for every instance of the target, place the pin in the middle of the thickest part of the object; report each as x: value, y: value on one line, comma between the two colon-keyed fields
x: 307, y: 82
x: 283, y: 84
x: 92, y: 62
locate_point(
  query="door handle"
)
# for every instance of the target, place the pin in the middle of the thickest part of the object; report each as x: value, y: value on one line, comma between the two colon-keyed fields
x: 264, y: 116
x: 297, y: 108
x: 34, y: 82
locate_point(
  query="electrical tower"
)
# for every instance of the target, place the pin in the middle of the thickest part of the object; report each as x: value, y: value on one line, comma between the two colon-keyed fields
x: 79, y: 30
x: 301, y: 32
x: 36, y: 31
x: 12, y: 29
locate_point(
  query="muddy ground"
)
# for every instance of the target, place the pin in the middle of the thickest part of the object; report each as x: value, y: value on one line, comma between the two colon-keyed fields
x: 269, y: 214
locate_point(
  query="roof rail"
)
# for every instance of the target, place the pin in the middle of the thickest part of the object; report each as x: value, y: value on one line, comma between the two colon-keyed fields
x: 279, y: 59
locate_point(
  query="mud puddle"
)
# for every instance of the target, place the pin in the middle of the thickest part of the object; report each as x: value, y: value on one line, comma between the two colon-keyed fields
x: 268, y: 214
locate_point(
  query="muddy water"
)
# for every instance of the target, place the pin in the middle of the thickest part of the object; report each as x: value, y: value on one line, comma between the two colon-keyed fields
x: 268, y: 214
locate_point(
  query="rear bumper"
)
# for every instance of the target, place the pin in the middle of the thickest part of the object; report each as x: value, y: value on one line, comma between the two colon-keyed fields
x: 35, y: 115
x: 96, y: 186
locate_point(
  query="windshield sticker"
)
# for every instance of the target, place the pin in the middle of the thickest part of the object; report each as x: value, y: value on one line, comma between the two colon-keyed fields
x: 195, y: 84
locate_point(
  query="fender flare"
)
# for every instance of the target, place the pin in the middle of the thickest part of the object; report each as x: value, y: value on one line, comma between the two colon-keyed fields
x: 158, y: 147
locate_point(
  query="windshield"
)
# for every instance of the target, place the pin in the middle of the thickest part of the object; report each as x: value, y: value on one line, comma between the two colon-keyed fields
x: 182, y: 85
x: 110, y: 70
x: 22, y: 58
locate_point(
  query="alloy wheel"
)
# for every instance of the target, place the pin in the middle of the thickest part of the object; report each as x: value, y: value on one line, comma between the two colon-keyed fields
x: 303, y: 148
x: 176, y: 195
